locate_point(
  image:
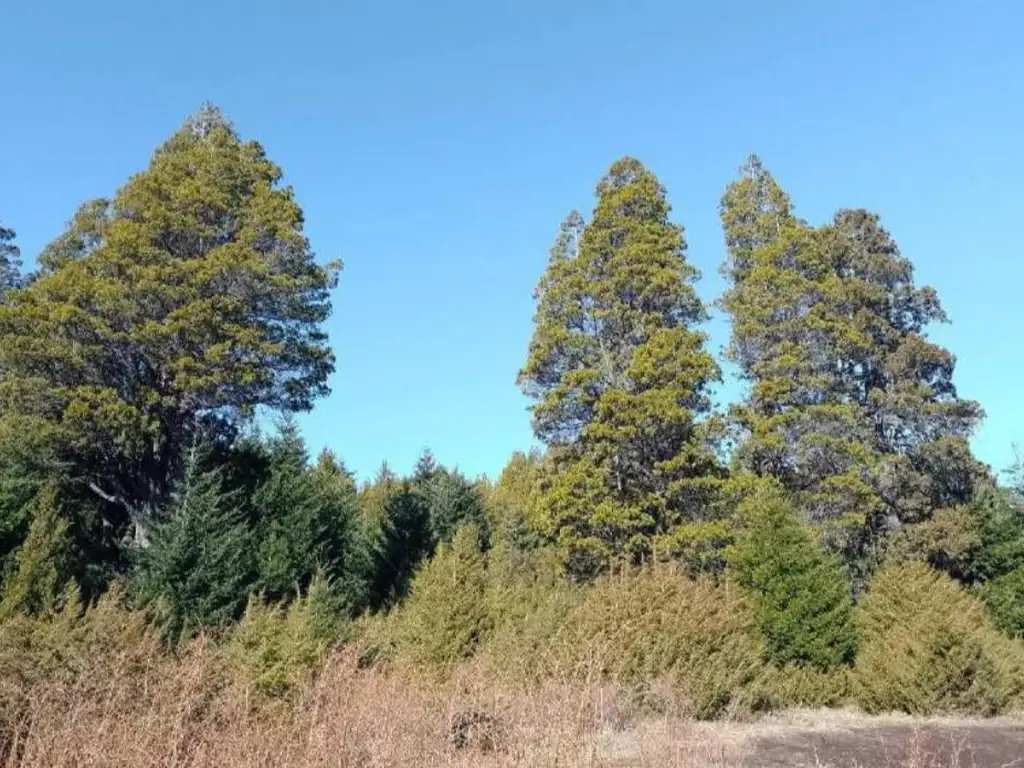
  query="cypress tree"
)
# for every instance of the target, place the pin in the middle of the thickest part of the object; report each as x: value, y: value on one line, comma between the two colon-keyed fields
x: 849, y: 405
x: 619, y: 377
x: 180, y: 306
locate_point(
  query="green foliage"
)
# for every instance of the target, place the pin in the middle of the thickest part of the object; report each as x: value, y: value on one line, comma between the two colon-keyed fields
x: 275, y: 648
x: 658, y: 624
x: 186, y: 302
x: 801, y: 595
x: 10, y: 262
x: 850, y: 406
x: 42, y: 564
x: 1004, y: 598
x: 929, y: 648
x: 619, y: 375
x: 511, y: 502
x: 445, y: 618
x: 307, y: 520
x: 529, y: 601
x: 397, y: 525
x: 452, y: 502
x: 198, y: 569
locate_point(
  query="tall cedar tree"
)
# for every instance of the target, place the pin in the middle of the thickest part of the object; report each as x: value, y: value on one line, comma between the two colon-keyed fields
x: 187, y: 301
x: 802, y: 597
x: 850, y: 406
x: 619, y: 377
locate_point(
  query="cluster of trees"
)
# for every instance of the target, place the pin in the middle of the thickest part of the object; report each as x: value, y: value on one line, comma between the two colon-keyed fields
x: 136, y: 358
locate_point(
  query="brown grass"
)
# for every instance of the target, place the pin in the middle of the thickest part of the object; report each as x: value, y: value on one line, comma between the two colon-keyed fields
x: 190, y: 711
x: 186, y: 713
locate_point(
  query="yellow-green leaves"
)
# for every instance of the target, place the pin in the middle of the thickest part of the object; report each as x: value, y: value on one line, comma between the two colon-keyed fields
x: 191, y: 297
x: 619, y: 378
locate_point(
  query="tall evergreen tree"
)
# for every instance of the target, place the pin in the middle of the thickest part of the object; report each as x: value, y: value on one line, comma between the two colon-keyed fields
x: 452, y: 502
x: 619, y: 376
x: 183, y: 304
x: 850, y: 405
x: 10, y: 261
x: 397, y: 524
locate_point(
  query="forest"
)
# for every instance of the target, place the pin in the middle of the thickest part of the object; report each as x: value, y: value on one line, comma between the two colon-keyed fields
x: 179, y: 576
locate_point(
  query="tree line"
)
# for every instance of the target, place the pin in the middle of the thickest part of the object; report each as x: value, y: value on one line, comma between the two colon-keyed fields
x: 136, y: 359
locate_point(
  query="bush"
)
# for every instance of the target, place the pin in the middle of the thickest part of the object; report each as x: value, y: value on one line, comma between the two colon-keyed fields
x: 276, y: 648
x: 529, y: 600
x: 929, y: 648
x: 445, y: 618
x: 657, y: 623
x: 1004, y: 598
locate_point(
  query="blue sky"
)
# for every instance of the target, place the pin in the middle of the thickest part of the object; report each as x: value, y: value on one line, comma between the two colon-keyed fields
x: 436, y: 146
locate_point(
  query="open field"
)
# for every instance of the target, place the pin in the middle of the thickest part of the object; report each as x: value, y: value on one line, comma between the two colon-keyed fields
x: 182, y: 713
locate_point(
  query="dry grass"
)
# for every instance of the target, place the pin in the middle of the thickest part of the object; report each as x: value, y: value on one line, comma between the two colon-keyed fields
x: 185, y: 713
x: 192, y: 711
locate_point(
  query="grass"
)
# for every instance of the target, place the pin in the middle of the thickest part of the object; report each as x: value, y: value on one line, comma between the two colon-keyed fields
x: 188, y: 711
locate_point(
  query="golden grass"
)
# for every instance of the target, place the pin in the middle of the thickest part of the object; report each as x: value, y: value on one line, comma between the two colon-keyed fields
x: 190, y: 711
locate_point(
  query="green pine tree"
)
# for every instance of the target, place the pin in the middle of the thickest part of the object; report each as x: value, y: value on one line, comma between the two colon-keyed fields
x: 452, y: 502
x: 396, y: 520
x: 802, y: 596
x: 619, y: 377
x: 198, y: 570
x: 307, y: 523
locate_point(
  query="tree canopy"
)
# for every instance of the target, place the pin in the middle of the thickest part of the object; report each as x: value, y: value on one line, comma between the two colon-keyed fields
x: 181, y: 305
x: 619, y: 375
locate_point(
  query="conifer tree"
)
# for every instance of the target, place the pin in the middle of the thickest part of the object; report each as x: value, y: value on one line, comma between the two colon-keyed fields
x: 183, y: 304
x: 850, y: 405
x: 446, y: 617
x: 199, y: 569
x: 619, y: 377
x: 10, y: 261
x: 801, y: 594
x: 42, y: 564
x: 307, y: 522
x: 453, y: 502
x: 396, y: 521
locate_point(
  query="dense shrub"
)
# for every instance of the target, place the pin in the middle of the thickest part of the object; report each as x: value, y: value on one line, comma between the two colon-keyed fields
x: 529, y: 600
x: 656, y: 623
x: 1004, y: 598
x: 445, y: 618
x: 275, y: 648
x: 929, y: 647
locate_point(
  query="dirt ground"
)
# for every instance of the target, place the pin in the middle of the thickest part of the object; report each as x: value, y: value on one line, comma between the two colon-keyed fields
x: 966, y: 746
x: 823, y: 740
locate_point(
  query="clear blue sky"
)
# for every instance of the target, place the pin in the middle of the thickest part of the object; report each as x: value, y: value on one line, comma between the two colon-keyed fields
x: 435, y: 146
